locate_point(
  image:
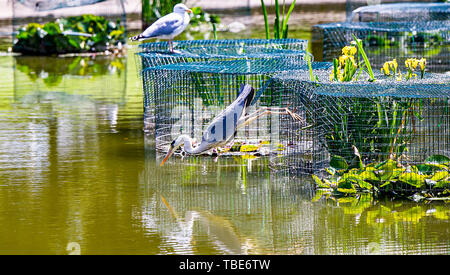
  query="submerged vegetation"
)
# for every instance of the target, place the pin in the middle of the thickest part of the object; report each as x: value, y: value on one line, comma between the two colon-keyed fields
x: 76, y: 34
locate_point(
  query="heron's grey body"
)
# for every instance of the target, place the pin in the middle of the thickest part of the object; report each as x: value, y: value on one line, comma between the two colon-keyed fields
x: 168, y: 26
x: 224, y: 126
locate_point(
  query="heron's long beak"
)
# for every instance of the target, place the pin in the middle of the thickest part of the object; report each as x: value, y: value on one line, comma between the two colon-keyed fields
x: 189, y: 11
x: 167, y: 156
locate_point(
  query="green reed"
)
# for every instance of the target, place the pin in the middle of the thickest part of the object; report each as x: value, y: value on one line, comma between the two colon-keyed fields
x: 280, y: 27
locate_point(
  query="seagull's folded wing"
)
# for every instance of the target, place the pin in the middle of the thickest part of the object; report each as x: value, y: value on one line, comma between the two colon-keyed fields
x: 165, y: 25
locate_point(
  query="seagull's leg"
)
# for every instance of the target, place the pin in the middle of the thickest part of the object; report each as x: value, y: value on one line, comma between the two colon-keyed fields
x: 265, y: 111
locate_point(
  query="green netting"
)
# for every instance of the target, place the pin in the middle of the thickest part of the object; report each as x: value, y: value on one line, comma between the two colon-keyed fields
x: 408, y: 120
x: 185, y: 97
x: 385, y: 41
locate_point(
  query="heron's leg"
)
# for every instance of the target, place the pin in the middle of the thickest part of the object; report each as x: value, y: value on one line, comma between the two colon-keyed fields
x: 265, y: 111
x: 171, y: 45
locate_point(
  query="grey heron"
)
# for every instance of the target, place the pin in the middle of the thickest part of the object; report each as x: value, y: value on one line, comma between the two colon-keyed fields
x: 224, y: 126
x: 168, y: 26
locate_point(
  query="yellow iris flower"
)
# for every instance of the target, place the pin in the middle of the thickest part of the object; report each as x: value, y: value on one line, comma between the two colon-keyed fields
x: 349, y: 50
x: 390, y: 65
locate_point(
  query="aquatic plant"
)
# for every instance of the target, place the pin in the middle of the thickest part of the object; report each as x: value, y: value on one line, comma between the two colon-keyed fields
x: 389, y: 66
x: 346, y: 66
x: 411, y: 65
x: 432, y: 177
x: 280, y: 28
x: 376, y: 125
x: 200, y: 16
x: 76, y: 34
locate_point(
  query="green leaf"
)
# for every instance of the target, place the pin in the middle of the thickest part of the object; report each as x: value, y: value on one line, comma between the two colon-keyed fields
x: 346, y: 183
x: 266, y: 22
x: 215, y: 19
x: 338, y: 163
x: 413, y: 179
x: 330, y: 170
x: 348, y: 191
x: 439, y: 176
x: 437, y: 159
x: 424, y: 168
x: 356, y: 179
x: 368, y: 175
x: 319, y: 182
x: 285, y: 26
x: 356, y: 163
x: 385, y: 169
x: 442, y: 184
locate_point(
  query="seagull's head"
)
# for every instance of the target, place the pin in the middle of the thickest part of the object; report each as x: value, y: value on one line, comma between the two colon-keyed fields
x: 181, y: 8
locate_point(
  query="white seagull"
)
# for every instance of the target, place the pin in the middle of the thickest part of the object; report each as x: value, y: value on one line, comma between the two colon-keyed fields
x: 168, y: 26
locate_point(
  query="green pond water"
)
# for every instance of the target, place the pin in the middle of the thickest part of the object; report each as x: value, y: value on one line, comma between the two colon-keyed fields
x: 79, y: 175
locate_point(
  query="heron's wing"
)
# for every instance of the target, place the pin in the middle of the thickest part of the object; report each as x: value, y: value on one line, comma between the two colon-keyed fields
x: 165, y: 25
x: 223, y: 126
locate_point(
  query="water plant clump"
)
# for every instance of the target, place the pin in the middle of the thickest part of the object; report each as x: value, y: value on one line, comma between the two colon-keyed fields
x: 382, y: 127
x: 76, y: 34
x: 429, y: 180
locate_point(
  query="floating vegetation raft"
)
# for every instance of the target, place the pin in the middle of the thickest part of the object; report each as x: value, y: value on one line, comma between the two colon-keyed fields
x: 77, y: 34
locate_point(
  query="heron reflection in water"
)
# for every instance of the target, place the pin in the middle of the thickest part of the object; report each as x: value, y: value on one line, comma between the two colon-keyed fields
x: 223, y: 127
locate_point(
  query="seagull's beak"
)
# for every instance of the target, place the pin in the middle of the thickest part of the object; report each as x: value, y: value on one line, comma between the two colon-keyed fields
x: 188, y: 10
x: 167, y: 156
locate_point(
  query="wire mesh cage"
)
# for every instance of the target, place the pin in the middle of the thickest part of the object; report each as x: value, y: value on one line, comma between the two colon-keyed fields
x: 157, y: 53
x: 394, y: 10
x: 188, y: 96
x: 387, y: 40
x: 387, y: 119
x: 230, y: 46
x: 43, y: 27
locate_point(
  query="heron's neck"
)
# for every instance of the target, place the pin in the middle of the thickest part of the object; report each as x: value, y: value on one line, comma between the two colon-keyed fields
x: 188, y: 148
